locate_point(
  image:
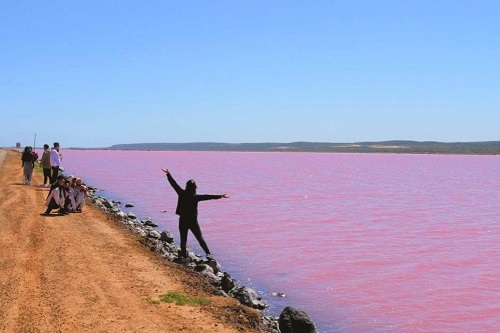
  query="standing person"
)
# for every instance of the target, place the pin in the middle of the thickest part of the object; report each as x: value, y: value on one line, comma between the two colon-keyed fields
x: 35, y: 155
x: 187, y: 209
x: 55, y: 161
x: 45, y: 163
x: 28, y: 164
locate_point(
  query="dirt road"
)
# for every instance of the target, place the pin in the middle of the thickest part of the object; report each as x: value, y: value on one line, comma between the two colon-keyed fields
x: 85, y: 273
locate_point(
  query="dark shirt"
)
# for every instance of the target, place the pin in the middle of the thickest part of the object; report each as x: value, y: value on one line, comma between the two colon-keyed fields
x: 28, y: 158
x: 187, y: 203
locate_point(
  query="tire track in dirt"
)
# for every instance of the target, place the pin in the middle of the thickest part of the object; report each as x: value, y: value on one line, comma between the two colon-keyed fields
x: 23, y: 242
x: 104, y: 294
x: 2, y: 156
x: 9, y: 279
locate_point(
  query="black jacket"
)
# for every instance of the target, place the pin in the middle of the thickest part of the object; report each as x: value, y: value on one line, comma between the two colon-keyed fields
x: 187, y: 204
x: 28, y: 158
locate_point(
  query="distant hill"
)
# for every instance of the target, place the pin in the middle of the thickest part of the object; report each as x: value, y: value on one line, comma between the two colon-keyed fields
x: 396, y: 146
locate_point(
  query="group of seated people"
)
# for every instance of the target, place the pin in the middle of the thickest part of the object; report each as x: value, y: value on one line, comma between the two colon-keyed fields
x: 67, y: 195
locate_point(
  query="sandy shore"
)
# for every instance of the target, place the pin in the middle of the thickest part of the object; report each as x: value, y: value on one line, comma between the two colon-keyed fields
x: 86, y: 273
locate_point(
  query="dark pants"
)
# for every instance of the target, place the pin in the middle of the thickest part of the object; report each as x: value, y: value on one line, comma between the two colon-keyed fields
x: 52, y: 205
x: 191, y: 223
x: 47, y: 177
x: 67, y: 203
x: 55, y: 173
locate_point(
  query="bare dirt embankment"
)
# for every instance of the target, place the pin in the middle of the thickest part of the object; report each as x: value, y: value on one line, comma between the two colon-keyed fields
x: 85, y: 273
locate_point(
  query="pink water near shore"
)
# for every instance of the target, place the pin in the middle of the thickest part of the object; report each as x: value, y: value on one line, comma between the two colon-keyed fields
x: 361, y: 242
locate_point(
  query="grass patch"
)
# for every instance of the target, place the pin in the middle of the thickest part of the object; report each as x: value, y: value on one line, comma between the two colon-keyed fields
x: 181, y: 299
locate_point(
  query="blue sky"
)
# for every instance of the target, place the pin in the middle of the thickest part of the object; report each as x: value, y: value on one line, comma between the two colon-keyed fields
x: 98, y: 73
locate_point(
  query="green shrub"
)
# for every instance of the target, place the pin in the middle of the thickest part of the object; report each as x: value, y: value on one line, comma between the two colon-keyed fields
x: 181, y: 299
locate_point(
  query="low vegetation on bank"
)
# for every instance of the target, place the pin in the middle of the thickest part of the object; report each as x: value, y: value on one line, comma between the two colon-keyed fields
x: 396, y: 146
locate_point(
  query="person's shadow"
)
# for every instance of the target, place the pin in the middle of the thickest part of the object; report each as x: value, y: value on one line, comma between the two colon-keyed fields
x: 38, y: 188
x: 51, y: 215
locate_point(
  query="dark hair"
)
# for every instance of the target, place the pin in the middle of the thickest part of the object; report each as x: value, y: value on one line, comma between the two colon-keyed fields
x: 56, y: 144
x: 45, y: 146
x: 27, y: 149
x: 191, y: 186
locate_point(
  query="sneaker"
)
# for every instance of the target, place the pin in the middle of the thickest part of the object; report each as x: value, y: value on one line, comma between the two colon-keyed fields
x: 182, y: 260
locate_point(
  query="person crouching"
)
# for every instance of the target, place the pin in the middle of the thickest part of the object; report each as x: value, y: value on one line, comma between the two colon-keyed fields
x: 69, y: 197
x: 80, y: 191
x: 56, y: 197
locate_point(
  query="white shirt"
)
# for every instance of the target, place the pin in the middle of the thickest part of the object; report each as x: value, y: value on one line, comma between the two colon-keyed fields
x: 55, y: 159
x: 58, y: 196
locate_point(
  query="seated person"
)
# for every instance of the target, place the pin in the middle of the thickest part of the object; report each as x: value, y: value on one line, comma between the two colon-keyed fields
x: 56, y: 197
x: 79, y: 191
x: 69, y: 197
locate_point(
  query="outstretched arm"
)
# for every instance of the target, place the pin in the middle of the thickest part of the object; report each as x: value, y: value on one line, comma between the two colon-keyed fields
x: 172, y: 181
x: 203, y: 197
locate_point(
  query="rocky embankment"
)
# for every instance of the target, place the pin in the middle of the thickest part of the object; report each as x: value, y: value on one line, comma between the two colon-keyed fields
x: 291, y: 320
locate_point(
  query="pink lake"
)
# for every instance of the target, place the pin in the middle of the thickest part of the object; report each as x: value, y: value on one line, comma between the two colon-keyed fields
x: 361, y: 242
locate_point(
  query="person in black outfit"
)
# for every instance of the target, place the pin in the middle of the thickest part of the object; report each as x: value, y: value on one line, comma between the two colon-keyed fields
x: 28, y: 164
x: 187, y: 209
